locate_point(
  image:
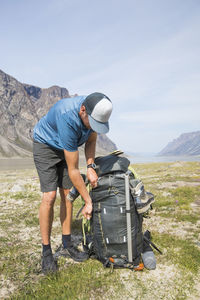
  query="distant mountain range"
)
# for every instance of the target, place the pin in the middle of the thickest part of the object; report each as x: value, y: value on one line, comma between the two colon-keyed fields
x: 22, y: 105
x: 185, y: 144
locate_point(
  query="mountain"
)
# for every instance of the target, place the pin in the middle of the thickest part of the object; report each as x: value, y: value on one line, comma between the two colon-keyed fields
x: 22, y: 105
x: 185, y: 144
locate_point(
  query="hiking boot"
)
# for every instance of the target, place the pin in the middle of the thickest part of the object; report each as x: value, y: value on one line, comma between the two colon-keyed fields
x: 136, y: 186
x: 48, y: 263
x: 73, y: 192
x: 143, y: 202
x: 143, y: 199
x: 71, y: 252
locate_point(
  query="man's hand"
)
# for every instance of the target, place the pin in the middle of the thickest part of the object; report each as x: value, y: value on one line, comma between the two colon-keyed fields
x: 92, y: 177
x: 87, y: 210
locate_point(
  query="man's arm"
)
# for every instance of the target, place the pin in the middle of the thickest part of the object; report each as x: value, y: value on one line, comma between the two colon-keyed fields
x: 72, y: 159
x: 90, y: 147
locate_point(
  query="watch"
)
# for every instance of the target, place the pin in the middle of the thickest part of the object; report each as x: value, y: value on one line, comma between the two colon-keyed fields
x: 93, y: 166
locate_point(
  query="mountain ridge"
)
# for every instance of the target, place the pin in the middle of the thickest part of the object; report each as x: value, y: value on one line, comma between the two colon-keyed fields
x: 186, y: 144
x: 22, y: 105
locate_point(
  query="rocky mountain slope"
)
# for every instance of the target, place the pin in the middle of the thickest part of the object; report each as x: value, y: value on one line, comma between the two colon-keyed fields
x: 22, y: 105
x: 185, y: 144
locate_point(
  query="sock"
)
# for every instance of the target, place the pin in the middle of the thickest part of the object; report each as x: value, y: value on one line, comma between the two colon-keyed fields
x: 66, y: 240
x: 46, y: 247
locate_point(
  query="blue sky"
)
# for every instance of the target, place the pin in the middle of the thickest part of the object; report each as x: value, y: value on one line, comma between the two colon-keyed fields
x: 145, y: 55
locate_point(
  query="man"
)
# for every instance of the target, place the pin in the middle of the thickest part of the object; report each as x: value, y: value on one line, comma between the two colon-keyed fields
x: 70, y: 123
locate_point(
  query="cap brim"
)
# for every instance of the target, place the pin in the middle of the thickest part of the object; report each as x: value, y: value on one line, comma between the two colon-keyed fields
x: 98, y: 126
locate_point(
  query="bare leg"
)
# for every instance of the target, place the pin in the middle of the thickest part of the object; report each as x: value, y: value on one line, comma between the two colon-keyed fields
x: 66, y: 220
x: 46, y: 216
x: 66, y: 209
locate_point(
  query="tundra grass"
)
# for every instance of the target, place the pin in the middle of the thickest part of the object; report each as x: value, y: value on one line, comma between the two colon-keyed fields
x: 181, y: 217
x: 20, y: 244
x: 181, y: 252
x: 180, y: 197
x: 77, y: 281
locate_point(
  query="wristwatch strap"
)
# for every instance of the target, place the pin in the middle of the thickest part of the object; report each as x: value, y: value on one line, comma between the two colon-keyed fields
x: 93, y: 166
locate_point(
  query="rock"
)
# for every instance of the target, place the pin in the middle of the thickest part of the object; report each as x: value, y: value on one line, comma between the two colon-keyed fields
x: 17, y: 188
x: 166, y: 194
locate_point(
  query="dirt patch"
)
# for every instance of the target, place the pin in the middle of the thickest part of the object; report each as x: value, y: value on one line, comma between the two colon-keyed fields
x: 197, y: 202
x: 7, y: 288
x: 196, y: 293
x: 177, y: 164
x: 175, y: 184
x: 183, y: 230
x: 157, y: 284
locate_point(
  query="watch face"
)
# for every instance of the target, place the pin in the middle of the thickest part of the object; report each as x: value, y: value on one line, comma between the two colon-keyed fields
x: 93, y: 166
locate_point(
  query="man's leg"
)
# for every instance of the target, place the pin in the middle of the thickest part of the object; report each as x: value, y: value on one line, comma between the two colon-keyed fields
x: 46, y: 161
x: 67, y: 249
x: 66, y: 209
x: 46, y: 216
x: 46, y: 219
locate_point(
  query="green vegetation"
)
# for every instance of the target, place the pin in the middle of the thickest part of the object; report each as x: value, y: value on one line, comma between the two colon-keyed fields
x: 181, y: 252
x: 179, y: 217
x: 77, y: 281
x: 174, y: 223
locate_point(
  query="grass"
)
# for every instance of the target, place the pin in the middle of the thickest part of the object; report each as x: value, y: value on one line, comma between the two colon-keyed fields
x: 185, y: 195
x: 181, y: 252
x: 20, y: 245
x: 180, y: 197
x: 30, y: 196
x: 184, y: 217
x: 78, y: 281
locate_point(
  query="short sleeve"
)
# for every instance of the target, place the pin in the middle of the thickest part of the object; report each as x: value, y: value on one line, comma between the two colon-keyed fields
x: 67, y: 133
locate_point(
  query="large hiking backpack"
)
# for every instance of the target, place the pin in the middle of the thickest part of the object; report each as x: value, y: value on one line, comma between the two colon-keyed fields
x: 117, y: 230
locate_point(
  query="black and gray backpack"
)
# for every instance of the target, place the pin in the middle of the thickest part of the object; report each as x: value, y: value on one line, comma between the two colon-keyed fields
x: 119, y: 202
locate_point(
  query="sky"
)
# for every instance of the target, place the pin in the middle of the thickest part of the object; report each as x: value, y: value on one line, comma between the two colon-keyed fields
x: 143, y: 54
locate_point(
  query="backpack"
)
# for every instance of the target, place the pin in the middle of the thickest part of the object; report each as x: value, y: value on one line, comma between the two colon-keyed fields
x: 116, y: 229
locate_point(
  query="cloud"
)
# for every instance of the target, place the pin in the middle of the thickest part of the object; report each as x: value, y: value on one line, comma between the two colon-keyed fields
x: 147, y: 73
x: 144, y: 57
x: 167, y: 117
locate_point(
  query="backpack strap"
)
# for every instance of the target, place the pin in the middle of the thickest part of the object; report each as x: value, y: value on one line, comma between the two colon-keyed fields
x: 147, y: 238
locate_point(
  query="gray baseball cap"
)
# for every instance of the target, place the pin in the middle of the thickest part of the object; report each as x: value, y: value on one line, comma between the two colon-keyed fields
x: 99, y: 108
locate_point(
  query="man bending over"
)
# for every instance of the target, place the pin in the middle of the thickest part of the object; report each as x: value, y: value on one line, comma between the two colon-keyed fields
x: 70, y: 123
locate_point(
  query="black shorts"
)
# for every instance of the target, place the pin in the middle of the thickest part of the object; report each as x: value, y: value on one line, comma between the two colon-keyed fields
x: 51, y: 167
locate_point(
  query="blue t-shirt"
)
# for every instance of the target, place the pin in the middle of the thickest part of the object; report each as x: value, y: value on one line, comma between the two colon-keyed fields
x: 62, y: 127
